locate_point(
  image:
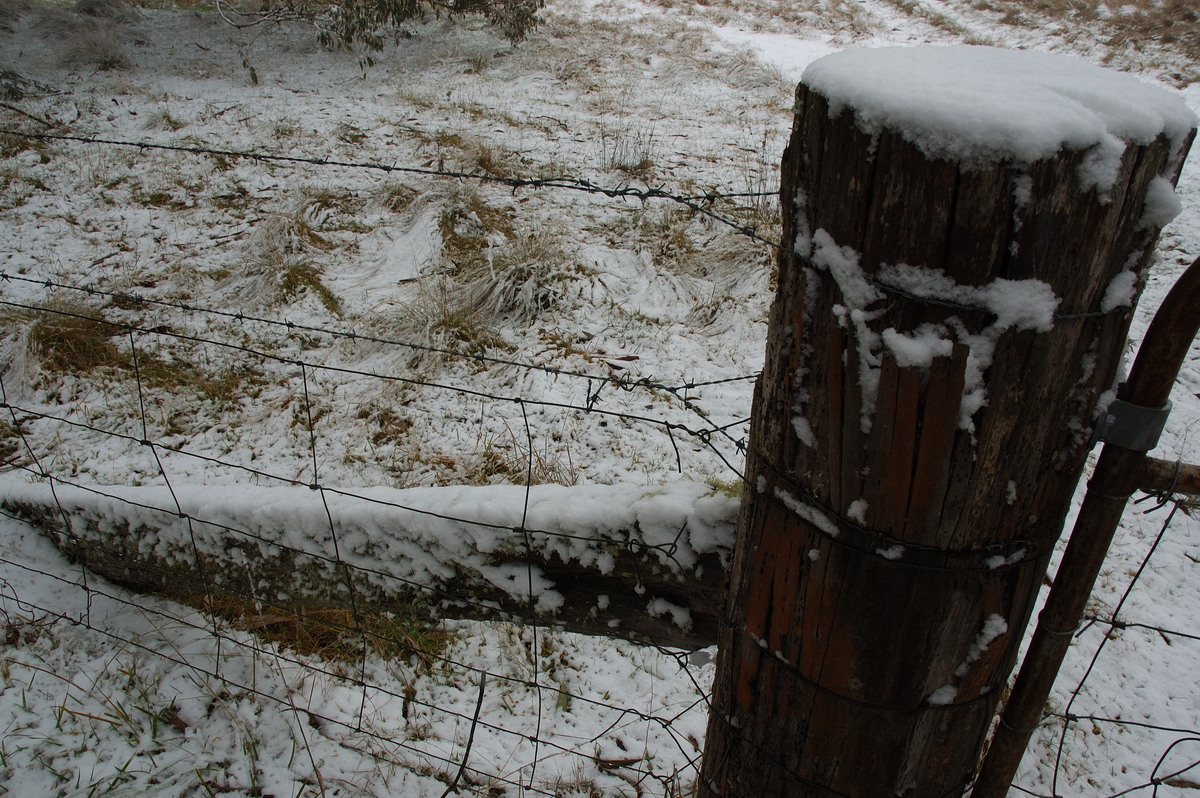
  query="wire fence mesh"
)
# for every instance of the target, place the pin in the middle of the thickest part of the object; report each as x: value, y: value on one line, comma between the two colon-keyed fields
x: 174, y: 390
x: 1088, y: 727
x: 350, y: 630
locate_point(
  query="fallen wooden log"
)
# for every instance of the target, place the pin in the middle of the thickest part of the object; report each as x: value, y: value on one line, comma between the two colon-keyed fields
x: 641, y: 563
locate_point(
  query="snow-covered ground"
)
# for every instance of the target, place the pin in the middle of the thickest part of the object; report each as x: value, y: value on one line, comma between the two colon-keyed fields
x: 106, y: 692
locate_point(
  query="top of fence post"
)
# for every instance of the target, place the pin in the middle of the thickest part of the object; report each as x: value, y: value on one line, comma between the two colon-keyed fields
x: 971, y: 228
x: 976, y: 105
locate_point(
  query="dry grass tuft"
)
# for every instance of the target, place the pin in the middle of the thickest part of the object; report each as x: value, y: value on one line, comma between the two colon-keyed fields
x: 1162, y: 35
x: 10, y: 445
x: 282, y: 263
x: 66, y: 339
x: 73, y: 340
x: 333, y: 634
x: 628, y: 149
x: 301, y: 276
x: 100, y: 45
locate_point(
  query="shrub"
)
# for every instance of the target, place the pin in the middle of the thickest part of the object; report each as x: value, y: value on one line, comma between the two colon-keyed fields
x: 367, y: 22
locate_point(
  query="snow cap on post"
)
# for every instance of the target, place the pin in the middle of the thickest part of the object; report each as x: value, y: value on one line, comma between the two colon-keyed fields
x: 976, y: 105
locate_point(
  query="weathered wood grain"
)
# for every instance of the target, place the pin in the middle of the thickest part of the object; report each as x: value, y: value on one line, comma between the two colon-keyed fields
x: 854, y: 659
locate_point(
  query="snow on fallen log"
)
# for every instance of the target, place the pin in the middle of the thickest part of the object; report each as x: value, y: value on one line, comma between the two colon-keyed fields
x: 643, y: 563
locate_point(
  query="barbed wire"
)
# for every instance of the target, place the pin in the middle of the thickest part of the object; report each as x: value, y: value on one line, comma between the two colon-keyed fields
x: 595, y: 384
x: 695, y: 202
x: 699, y: 203
x: 703, y: 434
x: 616, y: 381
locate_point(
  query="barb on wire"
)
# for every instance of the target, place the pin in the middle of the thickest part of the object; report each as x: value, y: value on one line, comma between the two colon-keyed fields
x: 648, y: 383
x: 565, y: 183
x: 626, y: 384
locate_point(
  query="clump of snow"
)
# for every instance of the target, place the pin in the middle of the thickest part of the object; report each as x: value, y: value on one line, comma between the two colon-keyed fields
x: 998, y: 561
x: 809, y: 513
x: 942, y: 696
x: 844, y: 264
x: 918, y: 348
x: 804, y: 431
x: 978, y: 105
x: 1120, y: 291
x: 1022, y: 304
x: 891, y: 552
x: 680, y: 616
x: 524, y: 581
x: 1162, y: 204
x: 993, y: 626
x: 1101, y: 166
x: 857, y: 511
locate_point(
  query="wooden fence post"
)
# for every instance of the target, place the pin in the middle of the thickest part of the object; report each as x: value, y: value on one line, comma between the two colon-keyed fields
x: 965, y: 266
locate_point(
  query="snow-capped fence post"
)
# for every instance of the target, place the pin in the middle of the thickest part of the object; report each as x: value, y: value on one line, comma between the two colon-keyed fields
x: 971, y: 228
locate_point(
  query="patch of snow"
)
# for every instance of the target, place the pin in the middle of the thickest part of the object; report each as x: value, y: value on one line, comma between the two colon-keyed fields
x: 844, y: 264
x: 997, y: 561
x: 790, y: 54
x: 1120, y: 292
x: 942, y: 696
x: 1162, y: 204
x: 804, y: 431
x: 680, y: 616
x: 993, y: 627
x: 976, y: 105
x: 809, y: 513
x: 1020, y: 304
x: 918, y: 348
x: 891, y: 552
x: 857, y: 511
